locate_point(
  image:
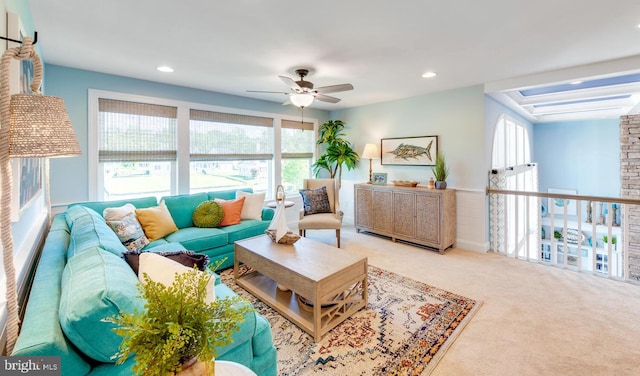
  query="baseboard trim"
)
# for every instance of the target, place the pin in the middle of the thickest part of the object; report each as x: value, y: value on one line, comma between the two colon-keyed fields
x: 472, y: 246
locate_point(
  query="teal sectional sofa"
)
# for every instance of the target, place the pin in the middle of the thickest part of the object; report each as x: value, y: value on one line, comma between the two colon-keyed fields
x: 82, y: 278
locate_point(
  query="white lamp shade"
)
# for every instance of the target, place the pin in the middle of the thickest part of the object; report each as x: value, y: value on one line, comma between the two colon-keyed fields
x: 370, y: 152
x: 40, y: 127
x: 301, y: 100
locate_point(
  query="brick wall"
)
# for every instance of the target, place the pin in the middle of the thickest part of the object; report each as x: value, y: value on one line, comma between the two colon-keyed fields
x: 630, y: 188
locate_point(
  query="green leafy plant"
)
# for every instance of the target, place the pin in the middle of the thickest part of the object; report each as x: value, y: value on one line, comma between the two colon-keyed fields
x: 605, y: 239
x: 177, y: 324
x: 338, y: 151
x: 440, y: 170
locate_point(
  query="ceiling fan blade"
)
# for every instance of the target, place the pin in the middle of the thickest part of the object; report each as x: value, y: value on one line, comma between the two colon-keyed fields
x: 334, y: 88
x: 290, y: 82
x: 326, y: 98
x: 263, y: 91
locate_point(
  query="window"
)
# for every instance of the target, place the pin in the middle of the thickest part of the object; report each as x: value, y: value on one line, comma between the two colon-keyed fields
x: 145, y: 146
x: 298, y: 144
x: 511, y: 160
x: 137, y: 146
x: 229, y: 151
x: 510, y: 144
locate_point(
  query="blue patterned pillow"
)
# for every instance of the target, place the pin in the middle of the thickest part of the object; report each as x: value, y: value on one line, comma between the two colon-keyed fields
x: 315, y: 201
x: 130, y: 232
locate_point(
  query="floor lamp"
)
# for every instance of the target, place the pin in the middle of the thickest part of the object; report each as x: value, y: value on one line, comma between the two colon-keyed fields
x: 370, y: 152
x: 31, y: 126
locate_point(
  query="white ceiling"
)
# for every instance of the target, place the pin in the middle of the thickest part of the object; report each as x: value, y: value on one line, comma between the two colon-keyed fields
x: 381, y: 47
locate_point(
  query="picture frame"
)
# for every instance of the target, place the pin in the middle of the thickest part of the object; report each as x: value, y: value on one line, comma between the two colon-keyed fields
x: 409, y: 151
x: 558, y: 203
x: 27, y: 173
x: 379, y: 178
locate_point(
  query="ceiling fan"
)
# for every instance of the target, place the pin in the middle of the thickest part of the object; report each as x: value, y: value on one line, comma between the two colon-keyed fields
x: 302, y: 93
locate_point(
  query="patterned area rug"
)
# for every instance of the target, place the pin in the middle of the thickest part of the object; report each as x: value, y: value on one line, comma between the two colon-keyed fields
x: 405, y: 330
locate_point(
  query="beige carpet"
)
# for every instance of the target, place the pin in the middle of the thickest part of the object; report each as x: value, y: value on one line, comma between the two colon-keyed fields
x: 535, y: 319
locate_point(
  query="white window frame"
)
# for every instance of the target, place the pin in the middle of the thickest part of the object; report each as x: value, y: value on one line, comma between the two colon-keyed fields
x: 180, y: 169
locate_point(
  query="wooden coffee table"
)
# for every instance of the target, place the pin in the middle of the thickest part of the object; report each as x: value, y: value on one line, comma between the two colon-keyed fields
x: 334, y: 280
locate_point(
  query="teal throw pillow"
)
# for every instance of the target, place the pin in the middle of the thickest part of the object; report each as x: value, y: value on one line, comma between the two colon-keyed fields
x: 208, y: 214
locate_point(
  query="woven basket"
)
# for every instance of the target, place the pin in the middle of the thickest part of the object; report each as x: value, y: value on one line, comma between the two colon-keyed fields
x: 289, y: 238
x: 405, y: 183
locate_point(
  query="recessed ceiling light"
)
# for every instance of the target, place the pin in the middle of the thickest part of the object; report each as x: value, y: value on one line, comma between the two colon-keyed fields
x: 576, y: 82
x: 164, y: 68
x: 429, y: 74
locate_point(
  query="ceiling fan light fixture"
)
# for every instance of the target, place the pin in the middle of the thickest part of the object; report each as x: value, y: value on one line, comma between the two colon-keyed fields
x: 301, y: 99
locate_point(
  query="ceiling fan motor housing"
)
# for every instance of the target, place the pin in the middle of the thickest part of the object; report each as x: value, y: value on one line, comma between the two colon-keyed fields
x: 302, y: 83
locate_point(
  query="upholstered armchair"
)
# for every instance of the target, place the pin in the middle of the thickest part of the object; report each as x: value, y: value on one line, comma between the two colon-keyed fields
x: 320, y: 207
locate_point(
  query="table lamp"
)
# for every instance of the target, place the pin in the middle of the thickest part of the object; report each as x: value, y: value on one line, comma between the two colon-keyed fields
x: 370, y: 152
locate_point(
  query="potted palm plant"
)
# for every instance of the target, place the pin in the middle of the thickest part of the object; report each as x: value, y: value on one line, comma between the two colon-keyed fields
x: 338, y: 153
x: 440, y: 171
x: 177, y: 328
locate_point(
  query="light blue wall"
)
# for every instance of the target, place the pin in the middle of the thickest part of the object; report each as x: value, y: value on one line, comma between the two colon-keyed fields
x: 455, y: 116
x: 69, y: 176
x: 582, y: 155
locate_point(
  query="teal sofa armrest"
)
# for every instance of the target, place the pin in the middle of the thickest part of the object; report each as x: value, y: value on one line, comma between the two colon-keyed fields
x: 267, y: 214
x: 41, y: 334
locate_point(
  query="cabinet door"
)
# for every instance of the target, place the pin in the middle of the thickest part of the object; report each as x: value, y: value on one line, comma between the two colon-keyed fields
x: 382, y: 210
x: 364, y: 208
x: 428, y: 218
x: 404, y: 214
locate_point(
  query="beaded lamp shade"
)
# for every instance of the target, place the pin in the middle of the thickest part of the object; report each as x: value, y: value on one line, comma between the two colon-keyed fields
x: 40, y: 127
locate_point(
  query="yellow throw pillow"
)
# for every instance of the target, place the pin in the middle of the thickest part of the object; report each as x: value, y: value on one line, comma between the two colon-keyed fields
x: 156, y: 221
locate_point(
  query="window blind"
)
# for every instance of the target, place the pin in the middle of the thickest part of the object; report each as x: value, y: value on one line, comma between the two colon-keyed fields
x: 298, y: 139
x: 132, y: 131
x: 218, y: 136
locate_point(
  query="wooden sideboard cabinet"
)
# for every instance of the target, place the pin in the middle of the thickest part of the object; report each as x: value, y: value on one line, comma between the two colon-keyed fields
x: 414, y: 214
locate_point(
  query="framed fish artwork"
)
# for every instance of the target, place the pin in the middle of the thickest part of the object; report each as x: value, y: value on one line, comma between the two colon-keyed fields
x: 409, y: 151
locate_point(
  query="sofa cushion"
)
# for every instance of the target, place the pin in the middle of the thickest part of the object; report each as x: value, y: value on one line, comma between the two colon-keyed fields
x: 163, y: 270
x: 156, y: 221
x: 253, y: 203
x: 99, y: 206
x: 227, y: 194
x: 208, y: 214
x: 232, y: 211
x: 88, y: 229
x: 96, y: 285
x: 247, y: 328
x: 198, y: 239
x: 181, y: 207
x: 129, y: 230
x: 244, y: 230
x: 163, y: 245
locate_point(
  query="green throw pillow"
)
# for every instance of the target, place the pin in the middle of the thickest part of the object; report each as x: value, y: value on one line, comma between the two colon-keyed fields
x: 208, y: 214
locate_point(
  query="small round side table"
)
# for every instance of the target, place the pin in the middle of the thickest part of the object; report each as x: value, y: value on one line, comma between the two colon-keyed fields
x: 287, y: 204
x: 227, y: 368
